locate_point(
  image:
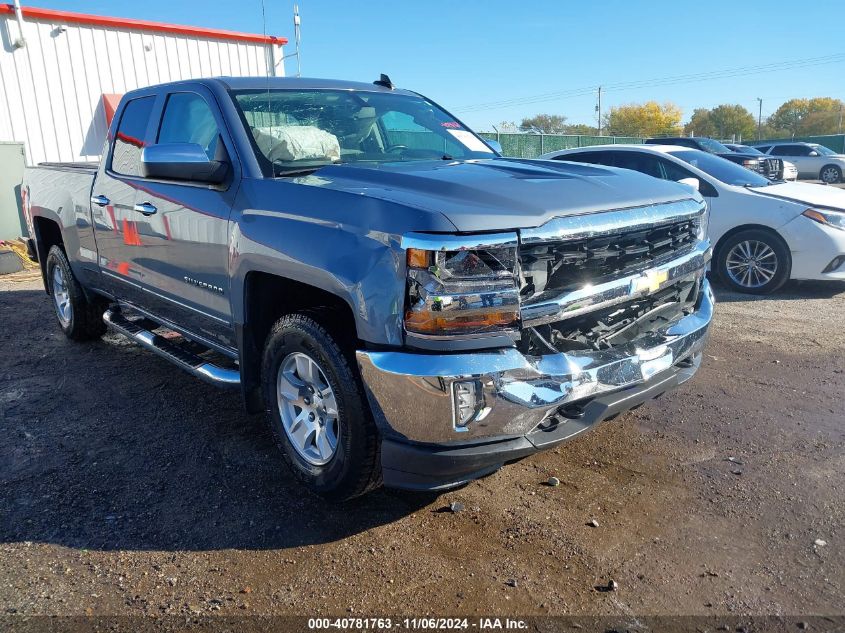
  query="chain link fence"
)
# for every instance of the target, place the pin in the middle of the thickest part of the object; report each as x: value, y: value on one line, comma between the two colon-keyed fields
x: 534, y: 145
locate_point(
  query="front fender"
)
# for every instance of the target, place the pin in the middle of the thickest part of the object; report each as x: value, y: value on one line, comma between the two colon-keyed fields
x: 344, y: 244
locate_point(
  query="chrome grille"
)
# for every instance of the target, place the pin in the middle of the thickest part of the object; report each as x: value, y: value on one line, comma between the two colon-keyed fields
x: 570, y: 264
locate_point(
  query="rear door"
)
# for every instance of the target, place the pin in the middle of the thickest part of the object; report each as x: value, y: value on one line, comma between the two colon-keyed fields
x: 799, y: 155
x: 113, y: 198
x: 174, y: 260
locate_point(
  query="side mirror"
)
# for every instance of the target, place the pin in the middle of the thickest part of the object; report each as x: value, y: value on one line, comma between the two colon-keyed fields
x: 692, y: 183
x: 182, y: 161
x: 496, y: 146
x: 814, y: 153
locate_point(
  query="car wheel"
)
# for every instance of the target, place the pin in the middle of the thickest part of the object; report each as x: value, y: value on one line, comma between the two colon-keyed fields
x: 755, y: 261
x: 830, y: 174
x: 317, y: 410
x: 79, y: 318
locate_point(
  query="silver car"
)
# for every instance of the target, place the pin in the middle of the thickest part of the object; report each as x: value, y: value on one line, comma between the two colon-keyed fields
x: 813, y: 161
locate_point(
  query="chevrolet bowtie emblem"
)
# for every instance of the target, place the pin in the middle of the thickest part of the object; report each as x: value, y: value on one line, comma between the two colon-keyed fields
x: 649, y: 281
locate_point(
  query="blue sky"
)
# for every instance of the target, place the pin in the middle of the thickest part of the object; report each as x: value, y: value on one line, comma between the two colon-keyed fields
x: 466, y: 54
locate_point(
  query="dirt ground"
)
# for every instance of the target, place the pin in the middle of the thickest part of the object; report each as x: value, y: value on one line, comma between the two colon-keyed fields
x: 128, y: 487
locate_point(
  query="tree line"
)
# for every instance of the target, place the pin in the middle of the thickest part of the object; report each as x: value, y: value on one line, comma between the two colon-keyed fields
x: 796, y: 117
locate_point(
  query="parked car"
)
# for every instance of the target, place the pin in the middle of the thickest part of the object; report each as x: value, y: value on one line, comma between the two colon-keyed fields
x: 771, y: 168
x: 790, y: 172
x: 764, y: 233
x: 406, y: 305
x: 813, y: 161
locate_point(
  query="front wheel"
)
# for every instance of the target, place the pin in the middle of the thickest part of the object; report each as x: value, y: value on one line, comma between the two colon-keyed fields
x: 317, y: 410
x: 79, y: 318
x: 830, y: 174
x: 754, y: 261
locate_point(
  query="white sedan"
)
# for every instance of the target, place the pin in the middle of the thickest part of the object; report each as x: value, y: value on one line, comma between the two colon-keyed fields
x: 764, y: 233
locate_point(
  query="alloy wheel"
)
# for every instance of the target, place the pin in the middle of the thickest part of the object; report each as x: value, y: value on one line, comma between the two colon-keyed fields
x: 61, y: 297
x: 308, y: 408
x: 829, y: 175
x: 751, y: 264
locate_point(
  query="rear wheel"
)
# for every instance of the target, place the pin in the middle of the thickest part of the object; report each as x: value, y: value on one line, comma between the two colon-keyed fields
x: 755, y: 261
x: 317, y: 410
x: 830, y: 174
x: 79, y: 318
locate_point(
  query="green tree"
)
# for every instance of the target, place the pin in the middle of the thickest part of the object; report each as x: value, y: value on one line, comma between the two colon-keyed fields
x: 724, y: 121
x: 580, y: 128
x: 733, y: 121
x: 644, y: 119
x: 545, y: 123
x: 787, y: 118
x: 700, y: 123
x: 805, y: 117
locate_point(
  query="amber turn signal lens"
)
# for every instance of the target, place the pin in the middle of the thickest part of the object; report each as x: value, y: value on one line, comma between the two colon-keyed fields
x: 815, y: 215
x: 419, y: 258
x: 434, y: 323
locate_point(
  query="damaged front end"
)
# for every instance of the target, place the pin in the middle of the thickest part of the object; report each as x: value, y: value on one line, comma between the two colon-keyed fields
x: 597, y: 282
x: 578, y: 319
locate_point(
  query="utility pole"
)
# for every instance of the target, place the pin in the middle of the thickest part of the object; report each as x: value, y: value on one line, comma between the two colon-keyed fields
x: 840, y: 117
x: 296, y: 24
x: 759, y: 117
x: 598, y: 109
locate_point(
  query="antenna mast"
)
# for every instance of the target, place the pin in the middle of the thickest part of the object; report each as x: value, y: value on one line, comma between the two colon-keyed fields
x: 298, y: 37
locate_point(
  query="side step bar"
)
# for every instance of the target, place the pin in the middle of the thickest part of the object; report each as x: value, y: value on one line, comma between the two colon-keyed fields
x: 191, y: 363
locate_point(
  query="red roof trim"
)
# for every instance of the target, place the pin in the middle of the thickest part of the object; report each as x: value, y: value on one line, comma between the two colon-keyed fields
x: 51, y: 15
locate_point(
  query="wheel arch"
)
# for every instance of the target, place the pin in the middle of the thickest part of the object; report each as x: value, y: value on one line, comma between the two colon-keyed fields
x: 266, y: 298
x: 717, y: 248
x: 48, y: 233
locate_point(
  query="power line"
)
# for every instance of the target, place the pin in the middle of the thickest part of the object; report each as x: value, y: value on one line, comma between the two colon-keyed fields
x: 664, y: 81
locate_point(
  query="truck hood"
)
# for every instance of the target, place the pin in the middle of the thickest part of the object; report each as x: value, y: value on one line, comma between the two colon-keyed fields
x: 499, y: 193
x: 805, y: 194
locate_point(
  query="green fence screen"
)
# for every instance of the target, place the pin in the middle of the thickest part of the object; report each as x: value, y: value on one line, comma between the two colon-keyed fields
x: 836, y: 142
x: 533, y: 145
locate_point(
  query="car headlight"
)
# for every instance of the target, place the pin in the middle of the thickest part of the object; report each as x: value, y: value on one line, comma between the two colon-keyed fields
x: 836, y: 219
x: 461, y: 285
x: 704, y: 222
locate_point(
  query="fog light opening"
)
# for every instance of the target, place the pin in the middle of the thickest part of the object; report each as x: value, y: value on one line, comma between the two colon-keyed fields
x: 468, y: 403
x: 572, y: 411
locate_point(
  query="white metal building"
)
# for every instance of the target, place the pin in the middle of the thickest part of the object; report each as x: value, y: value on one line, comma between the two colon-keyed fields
x: 62, y: 73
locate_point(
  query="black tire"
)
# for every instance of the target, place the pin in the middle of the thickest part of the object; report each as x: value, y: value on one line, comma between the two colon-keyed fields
x: 733, y: 248
x: 830, y: 174
x: 354, y: 468
x: 84, y: 321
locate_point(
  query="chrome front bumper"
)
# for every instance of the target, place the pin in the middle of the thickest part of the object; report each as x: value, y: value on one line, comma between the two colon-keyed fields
x: 412, y: 395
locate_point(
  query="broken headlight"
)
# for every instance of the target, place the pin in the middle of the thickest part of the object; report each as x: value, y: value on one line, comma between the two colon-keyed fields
x: 459, y: 285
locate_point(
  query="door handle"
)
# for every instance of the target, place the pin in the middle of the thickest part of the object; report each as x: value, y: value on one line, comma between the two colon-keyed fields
x: 146, y: 208
x: 100, y: 201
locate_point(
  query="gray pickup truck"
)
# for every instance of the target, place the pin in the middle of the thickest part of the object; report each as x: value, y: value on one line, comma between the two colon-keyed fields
x: 406, y: 305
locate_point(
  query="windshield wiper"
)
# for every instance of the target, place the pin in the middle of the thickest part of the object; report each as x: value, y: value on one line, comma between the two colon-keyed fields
x: 299, y: 171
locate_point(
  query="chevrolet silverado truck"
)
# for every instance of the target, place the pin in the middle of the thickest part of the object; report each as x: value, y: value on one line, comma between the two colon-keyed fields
x: 406, y: 305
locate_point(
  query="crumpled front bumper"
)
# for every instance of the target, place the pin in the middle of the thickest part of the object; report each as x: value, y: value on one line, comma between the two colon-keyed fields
x: 412, y: 395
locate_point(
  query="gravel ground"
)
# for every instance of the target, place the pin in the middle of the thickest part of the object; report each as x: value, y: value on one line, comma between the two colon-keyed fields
x: 127, y: 487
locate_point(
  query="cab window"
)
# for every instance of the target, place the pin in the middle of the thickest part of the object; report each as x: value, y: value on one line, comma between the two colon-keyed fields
x: 188, y: 119
x: 129, y: 139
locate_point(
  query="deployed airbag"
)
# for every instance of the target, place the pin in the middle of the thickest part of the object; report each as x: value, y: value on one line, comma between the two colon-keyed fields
x: 296, y: 143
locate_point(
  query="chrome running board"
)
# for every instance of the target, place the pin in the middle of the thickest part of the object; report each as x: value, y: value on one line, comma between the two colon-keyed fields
x: 188, y: 361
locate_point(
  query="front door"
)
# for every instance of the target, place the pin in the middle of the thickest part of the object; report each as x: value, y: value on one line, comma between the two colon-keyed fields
x: 174, y: 251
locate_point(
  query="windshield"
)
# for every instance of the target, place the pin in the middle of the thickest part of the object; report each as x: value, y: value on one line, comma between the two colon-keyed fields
x: 302, y: 130
x: 721, y: 168
x: 714, y: 147
x: 746, y: 149
x: 824, y: 151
